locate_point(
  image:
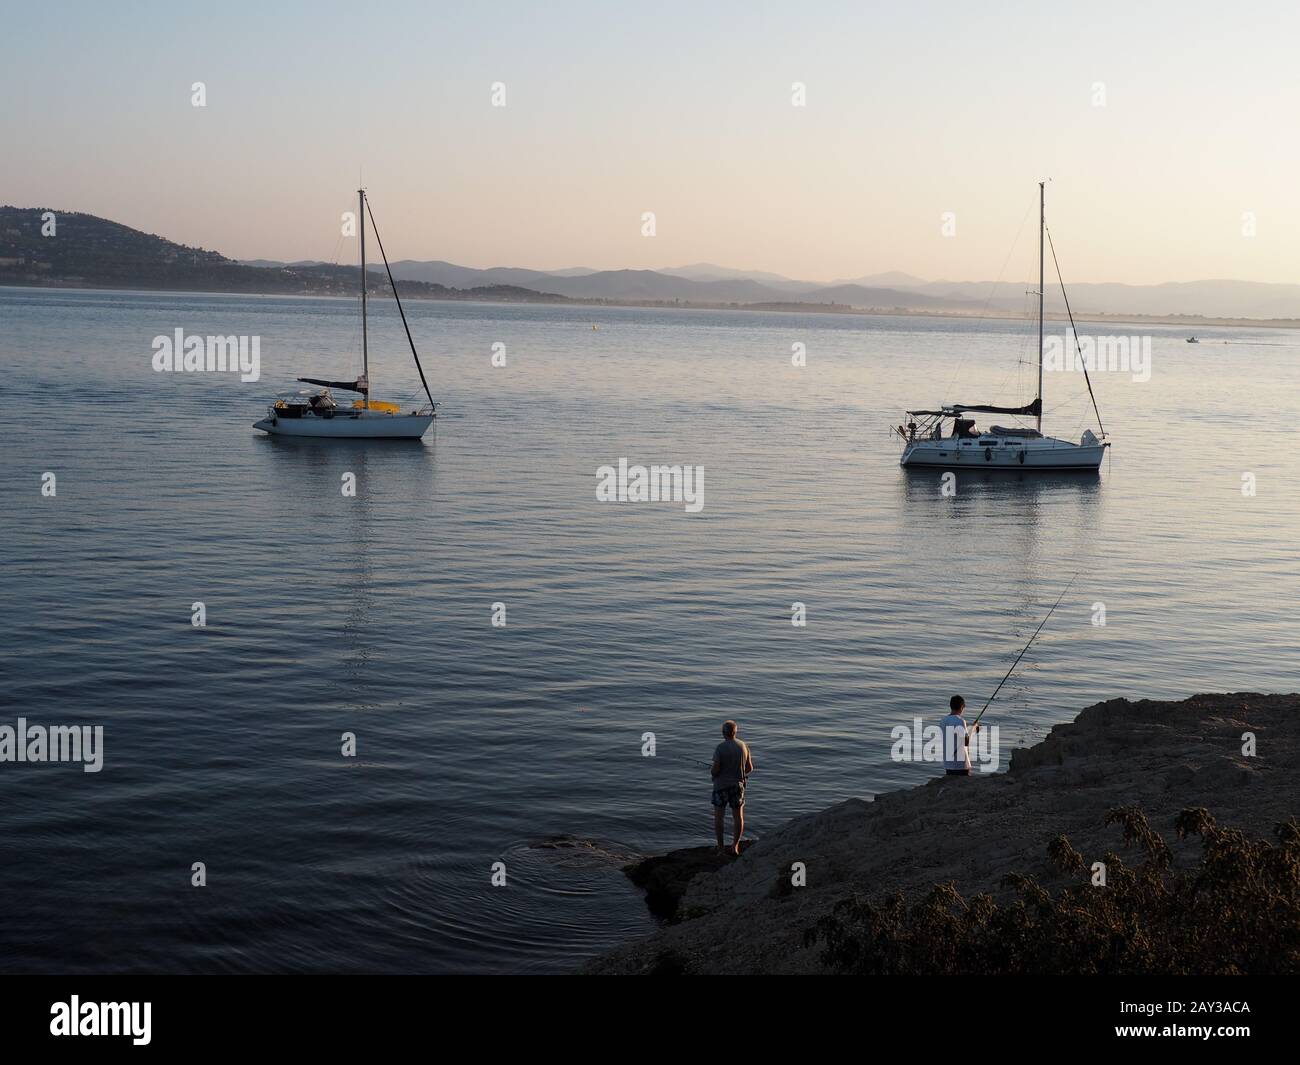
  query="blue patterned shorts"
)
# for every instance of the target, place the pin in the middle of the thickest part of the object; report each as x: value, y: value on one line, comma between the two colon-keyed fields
x: 732, y: 795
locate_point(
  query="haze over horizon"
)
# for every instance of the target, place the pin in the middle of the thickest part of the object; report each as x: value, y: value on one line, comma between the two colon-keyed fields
x: 1158, y: 172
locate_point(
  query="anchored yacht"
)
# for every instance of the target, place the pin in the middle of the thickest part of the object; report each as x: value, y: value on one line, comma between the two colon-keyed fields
x: 926, y: 443
x: 315, y: 412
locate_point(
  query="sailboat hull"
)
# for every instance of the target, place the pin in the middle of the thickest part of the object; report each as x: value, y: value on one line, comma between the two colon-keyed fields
x: 1045, y: 454
x: 361, y: 427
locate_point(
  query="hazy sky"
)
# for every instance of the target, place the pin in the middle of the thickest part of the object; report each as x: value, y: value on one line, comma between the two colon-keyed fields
x: 683, y: 109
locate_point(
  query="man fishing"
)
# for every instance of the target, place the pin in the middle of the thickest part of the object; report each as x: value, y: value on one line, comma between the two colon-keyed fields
x: 732, y: 763
x: 956, y: 739
x: 956, y: 733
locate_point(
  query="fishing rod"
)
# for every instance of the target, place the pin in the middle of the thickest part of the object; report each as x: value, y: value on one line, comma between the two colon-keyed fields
x: 1023, y: 650
x: 709, y: 765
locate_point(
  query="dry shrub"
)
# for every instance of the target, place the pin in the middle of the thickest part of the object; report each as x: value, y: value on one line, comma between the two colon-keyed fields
x: 1237, y: 911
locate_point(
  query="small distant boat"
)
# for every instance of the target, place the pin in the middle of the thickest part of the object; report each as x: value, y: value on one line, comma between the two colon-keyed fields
x: 316, y: 413
x: 924, y: 443
x: 1192, y: 340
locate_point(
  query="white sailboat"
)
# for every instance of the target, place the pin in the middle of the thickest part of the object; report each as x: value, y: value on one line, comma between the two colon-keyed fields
x: 1018, y: 447
x: 316, y: 413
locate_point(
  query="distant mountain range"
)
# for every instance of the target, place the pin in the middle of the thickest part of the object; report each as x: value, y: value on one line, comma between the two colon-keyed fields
x: 702, y: 283
x: 95, y: 252
x: 708, y: 283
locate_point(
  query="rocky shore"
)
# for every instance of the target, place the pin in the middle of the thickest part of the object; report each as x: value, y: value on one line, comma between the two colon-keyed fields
x: 745, y: 916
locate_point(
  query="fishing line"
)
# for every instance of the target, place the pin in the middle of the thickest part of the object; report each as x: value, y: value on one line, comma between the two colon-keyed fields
x: 1024, y: 649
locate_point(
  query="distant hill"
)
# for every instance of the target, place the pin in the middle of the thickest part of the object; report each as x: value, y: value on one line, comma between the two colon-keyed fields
x: 890, y: 290
x: 438, y: 272
x: 863, y: 296
x: 652, y: 285
x: 95, y: 252
x: 889, y: 279
x: 453, y: 276
x: 589, y: 284
x: 655, y: 285
x: 710, y: 285
x: 276, y: 264
x: 89, y: 251
x: 713, y: 272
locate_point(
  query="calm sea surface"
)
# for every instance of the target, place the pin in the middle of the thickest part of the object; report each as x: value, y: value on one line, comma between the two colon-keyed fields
x: 372, y: 614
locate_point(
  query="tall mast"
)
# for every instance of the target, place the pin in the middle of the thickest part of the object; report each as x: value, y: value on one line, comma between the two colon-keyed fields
x: 365, y: 352
x: 1042, y: 224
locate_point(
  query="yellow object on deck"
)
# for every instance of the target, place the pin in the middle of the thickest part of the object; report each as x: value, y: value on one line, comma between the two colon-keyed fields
x: 375, y: 404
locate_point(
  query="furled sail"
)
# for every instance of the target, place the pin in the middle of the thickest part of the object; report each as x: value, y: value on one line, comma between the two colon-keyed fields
x: 1030, y: 410
x: 360, y: 385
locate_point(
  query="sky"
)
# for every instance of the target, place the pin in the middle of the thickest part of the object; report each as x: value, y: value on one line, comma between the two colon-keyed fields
x: 1167, y: 131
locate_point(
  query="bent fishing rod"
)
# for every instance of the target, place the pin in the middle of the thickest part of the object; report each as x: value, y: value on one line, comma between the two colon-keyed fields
x: 1023, y: 650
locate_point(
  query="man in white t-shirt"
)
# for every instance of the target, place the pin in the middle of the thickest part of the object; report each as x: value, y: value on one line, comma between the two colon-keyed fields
x: 956, y: 739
